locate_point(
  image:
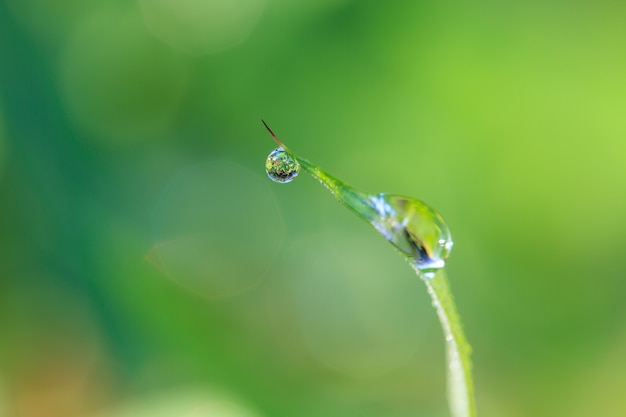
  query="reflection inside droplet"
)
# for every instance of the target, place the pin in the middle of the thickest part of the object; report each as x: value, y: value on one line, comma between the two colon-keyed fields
x: 418, y: 231
x: 412, y: 226
x: 281, y: 167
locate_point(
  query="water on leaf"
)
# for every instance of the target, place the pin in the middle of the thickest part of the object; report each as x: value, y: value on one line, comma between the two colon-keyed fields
x: 423, y: 237
x: 414, y: 228
x: 281, y: 167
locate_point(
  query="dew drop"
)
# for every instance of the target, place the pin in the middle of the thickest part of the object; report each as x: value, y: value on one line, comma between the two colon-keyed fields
x: 418, y: 231
x: 281, y: 167
x: 412, y: 226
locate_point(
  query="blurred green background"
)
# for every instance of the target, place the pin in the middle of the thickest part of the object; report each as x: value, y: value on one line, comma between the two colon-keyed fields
x: 148, y: 267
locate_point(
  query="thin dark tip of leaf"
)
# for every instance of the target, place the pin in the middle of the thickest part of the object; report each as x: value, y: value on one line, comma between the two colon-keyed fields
x: 273, y: 135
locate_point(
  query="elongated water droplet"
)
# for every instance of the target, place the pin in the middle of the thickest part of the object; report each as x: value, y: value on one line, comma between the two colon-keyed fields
x: 281, y: 167
x: 413, y: 227
x: 422, y: 236
x: 418, y: 231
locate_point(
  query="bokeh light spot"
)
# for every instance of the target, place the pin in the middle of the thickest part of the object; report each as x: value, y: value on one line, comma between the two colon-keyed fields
x: 190, y: 403
x: 218, y: 229
x: 201, y: 26
x: 3, y: 399
x: 361, y: 310
x: 48, y: 20
x: 120, y: 85
x: 68, y: 376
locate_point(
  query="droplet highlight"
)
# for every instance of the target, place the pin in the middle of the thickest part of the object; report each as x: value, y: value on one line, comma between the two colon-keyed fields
x: 412, y: 226
x: 415, y: 229
x: 281, y: 167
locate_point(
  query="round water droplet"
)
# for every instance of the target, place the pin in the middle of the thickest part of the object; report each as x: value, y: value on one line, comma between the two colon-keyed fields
x: 281, y: 167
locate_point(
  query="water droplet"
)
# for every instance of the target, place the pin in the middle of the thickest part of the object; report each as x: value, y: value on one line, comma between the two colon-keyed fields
x: 418, y: 231
x: 412, y: 226
x: 281, y: 167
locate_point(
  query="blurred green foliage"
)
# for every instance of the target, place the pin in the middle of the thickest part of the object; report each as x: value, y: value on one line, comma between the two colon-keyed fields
x: 146, y: 264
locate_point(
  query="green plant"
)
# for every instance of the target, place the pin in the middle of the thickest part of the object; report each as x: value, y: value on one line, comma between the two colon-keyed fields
x: 421, y: 235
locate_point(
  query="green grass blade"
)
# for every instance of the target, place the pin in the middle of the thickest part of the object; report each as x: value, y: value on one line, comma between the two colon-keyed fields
x: 458, y: 350
x: 421, y: 235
